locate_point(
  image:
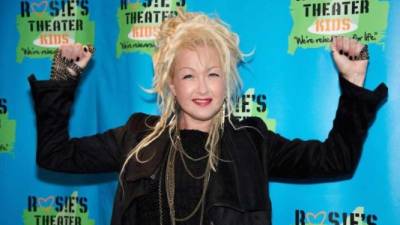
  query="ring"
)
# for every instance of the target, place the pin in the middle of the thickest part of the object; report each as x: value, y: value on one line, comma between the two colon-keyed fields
x: 90, y: 47
x: 364, y: 54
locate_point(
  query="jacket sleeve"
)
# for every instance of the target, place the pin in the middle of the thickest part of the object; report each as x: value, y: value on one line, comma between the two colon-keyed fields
x: 338, y: 155
x: 55, y: 149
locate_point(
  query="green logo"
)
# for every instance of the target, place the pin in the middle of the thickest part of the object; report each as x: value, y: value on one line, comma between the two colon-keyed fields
x: 57, y: 210
x: 7, y: 133
x: 139, y: 21
x: 7, y: 129
x: 251, y: 104
x: 45, y: 25
x: 316, y: 21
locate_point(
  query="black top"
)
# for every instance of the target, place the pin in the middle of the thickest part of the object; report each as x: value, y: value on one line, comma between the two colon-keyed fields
x: 188, y: 190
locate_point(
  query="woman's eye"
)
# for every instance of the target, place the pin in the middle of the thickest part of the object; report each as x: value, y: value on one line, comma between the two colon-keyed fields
x: 188, y: 76
x: 214, y: 75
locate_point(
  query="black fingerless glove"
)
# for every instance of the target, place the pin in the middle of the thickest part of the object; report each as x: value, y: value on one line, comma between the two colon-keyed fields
x: 60, y: 65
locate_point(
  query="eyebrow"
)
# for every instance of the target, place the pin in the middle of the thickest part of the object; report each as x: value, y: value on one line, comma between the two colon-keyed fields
x: 190, y: 68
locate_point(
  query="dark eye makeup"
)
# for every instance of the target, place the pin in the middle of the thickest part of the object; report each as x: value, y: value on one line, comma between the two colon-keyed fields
x: 187, y: 76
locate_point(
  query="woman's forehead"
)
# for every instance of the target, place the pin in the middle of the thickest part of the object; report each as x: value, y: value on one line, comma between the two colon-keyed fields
x: 197, y: 56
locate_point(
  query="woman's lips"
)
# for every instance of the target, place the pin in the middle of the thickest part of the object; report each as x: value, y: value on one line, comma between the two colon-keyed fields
x: 202, y: 101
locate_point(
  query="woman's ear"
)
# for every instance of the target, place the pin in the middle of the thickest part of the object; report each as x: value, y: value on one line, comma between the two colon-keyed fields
x: 172, y: 88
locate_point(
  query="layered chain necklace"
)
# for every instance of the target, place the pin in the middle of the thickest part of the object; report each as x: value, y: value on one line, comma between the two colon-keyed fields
x: 177, y: 148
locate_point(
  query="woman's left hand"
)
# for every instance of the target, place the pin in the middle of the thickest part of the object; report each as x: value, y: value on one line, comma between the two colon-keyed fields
x: 350, y: 60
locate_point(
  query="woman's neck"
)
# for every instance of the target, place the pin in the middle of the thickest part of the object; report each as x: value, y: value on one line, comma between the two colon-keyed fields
x: 186, y: 123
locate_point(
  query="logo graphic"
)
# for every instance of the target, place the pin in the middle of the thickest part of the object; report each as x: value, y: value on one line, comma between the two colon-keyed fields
x: 139, y: 20
x: 251, y: 104
x: 358, y: 216
x: 316, y: 21
x: 44, y: 25
x: 7, y: 129
x: 57, y: 210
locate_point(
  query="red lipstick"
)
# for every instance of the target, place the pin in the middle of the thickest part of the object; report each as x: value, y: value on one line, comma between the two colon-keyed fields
x: 202, y: 101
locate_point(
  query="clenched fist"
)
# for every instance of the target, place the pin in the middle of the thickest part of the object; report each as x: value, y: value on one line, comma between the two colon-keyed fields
x: 70, y: 61
x: 77, y: 53
x: 351, y: 59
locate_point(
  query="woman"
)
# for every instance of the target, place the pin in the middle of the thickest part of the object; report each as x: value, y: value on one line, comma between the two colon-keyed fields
x: 196, y: 163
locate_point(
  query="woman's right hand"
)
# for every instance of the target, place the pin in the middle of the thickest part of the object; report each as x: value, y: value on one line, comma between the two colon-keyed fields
x: 78, y: 53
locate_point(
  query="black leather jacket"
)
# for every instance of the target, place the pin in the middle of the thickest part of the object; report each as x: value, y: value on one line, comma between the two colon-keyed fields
x: 238, y: 192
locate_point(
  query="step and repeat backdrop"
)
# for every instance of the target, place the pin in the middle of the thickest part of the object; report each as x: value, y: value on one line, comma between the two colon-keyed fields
x: 289, y: 81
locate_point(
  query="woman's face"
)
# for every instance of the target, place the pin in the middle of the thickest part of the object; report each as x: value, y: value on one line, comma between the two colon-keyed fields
x: 198, y: 83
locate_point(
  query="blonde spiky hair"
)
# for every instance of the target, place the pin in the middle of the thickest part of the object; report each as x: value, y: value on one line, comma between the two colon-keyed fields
x: 188, y: 30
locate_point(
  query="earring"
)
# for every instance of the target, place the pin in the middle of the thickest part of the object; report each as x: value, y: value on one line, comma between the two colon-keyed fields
x: 223, y: 114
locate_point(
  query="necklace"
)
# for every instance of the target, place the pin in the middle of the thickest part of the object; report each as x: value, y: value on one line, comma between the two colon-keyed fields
x: 183, y: 153
x: 170, y: 181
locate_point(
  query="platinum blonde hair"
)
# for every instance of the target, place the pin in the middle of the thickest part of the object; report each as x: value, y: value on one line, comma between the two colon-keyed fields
x: 189, y: 30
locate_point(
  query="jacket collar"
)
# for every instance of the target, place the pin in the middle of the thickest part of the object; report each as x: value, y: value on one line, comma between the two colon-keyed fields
x: 154, y: 152
x: 223, y: 187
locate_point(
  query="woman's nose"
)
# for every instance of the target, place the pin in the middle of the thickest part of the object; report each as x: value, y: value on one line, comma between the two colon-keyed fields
x: 202, y: 85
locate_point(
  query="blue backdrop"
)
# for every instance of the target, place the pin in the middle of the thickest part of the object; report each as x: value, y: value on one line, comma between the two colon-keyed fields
x: 290, y: 82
